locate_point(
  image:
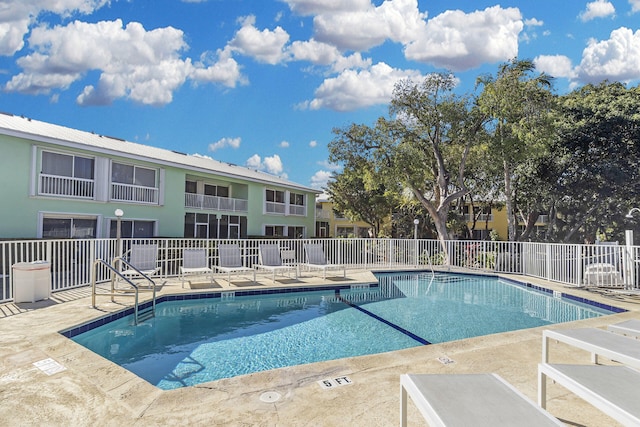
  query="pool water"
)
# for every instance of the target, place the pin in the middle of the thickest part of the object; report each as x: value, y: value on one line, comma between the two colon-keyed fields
x: 195, y: 341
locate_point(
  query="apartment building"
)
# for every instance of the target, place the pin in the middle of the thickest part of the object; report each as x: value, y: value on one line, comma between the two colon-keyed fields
x: 59, y: 182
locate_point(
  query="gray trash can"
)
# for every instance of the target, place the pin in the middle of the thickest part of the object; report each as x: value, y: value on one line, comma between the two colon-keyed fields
x: 31, y: 281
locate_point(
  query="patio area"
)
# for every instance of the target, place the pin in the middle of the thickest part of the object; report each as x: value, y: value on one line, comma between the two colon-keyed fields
x: 76, y: 387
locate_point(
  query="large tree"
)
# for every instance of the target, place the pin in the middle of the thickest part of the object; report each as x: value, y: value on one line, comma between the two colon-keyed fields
x: 423, y: 146
x: 360, y: 196
x: 517, y: 103
x: 598, y: 150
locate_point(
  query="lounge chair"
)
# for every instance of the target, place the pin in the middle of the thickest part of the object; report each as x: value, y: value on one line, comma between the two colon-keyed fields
x: 316, y: 260
x: 231, y: 261
x: 470, y: 400
x: 143, y: 261
x: 270, y: 260
x: 612, y: 389
x: 603, y: 274
x: 630, y: 328
x: 195, y: 262
x: 596, y: 341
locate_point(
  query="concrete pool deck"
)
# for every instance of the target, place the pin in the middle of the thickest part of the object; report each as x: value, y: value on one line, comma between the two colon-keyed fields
x: 77, y: 387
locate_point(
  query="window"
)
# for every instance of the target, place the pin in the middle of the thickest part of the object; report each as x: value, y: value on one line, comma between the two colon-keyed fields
x: 296, y: 204
x: 345, y: 232
x: 216, y: 190
x: 275, y: 201
x: 203, y: 226
x: 191, y: 187
x: 67, y: 165
x: 275, y: 196
x: 68, y: 228
x: 274, y: 230
x: 66, y: 175
x: 132, y: 228
x: 133, y: 175
x: 295, y: 232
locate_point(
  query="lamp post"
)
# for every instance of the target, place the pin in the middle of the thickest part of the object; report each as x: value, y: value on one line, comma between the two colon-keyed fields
x: 415, y: 228
x: 628, y: 237
x: 119, y: 213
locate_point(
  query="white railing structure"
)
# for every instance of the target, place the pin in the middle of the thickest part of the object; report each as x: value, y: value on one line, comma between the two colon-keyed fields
x: 134, y: 193
x: 597, y: 265
x: 54, y: 185
x: 275, y: 207
x: 215, y: 203
x: 297, y: 210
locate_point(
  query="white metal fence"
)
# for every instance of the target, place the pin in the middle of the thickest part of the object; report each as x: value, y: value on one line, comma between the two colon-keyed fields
x: 578, y: 265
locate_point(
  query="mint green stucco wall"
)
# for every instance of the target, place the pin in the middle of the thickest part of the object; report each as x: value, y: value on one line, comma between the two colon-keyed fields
x: 20, y: 213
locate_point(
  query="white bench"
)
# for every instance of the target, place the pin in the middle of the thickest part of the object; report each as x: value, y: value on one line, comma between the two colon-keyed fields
x: 470, y: 400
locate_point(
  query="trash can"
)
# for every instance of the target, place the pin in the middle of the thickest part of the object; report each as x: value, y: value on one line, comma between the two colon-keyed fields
x: 31, y: 281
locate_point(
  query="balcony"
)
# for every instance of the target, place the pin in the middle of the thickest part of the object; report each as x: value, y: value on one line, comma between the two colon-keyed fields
x: 323, y: 214
x: 134, y: 193
x: 54, y: 185
x: 215, y: 203
x: 479, y: 218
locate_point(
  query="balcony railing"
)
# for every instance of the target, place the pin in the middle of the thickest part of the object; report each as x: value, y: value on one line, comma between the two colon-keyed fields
x: 297, y: 210
x: 275, y: 207
x: 53, y: 185
x: 215, y: 203
x: 134, y: 193
x: 323, y: 214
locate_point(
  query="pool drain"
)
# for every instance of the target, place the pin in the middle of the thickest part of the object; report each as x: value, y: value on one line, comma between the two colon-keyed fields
x: 270, y: 397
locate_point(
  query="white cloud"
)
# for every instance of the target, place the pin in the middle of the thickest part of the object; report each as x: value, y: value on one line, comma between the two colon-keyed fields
x: 312, y: 7
x: 460, y: 41
x: 16, y: 17
x: 533, y: 22
x: 315, y: 52
x: 635, y: 5
x: 320, y: 179
x: 555, y: 65
x: 617, y: 58
x: 284, y: 144
x: 225, y: 142
x: 358, y: 89
x: 264, y: 46
x: 272, y: 165
x: 219, y: 68
x: 597, y: 9
x: 133, y: 63
x: 313, y: 144
x: 367, y: 27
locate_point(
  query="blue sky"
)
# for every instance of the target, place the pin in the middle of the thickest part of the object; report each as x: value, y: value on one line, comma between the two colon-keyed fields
x: 262, y: 83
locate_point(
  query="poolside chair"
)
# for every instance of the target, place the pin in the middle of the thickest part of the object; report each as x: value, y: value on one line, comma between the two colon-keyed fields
x: 270, y: 260
x: 630, y: 328
x: 603, y: 269
x: 143, y: 260
x: 596, y: 341
x: 470, y: 400
x: 231, y: 261
x: 316, y: 260
x: 612, y: 389
x: 194, y: 262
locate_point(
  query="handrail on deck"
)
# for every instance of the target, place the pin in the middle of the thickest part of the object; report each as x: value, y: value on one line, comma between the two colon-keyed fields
x: 115, y: 272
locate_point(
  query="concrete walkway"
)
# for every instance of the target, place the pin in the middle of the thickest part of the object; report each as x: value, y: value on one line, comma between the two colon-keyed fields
x: 75, y: 387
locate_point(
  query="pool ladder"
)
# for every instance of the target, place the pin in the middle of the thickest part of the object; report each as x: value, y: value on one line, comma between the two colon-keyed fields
x: 138, y: 315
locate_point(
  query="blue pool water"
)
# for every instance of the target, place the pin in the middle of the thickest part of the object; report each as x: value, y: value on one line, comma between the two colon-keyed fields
x: 194, y: 341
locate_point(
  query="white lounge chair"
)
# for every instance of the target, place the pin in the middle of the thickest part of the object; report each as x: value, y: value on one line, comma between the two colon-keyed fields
x: 470, y: 400
x: 270, y: 260
x: 603, y: 274
x: 143, y: 260
x: 612, y: 389
x: 630, y: 328
x: 598, y: 342
x: 316, y: 260
x: 230, y: 261
x: 195, y: 262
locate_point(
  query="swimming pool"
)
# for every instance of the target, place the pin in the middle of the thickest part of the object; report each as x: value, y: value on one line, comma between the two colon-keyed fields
x: 199, y: 340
